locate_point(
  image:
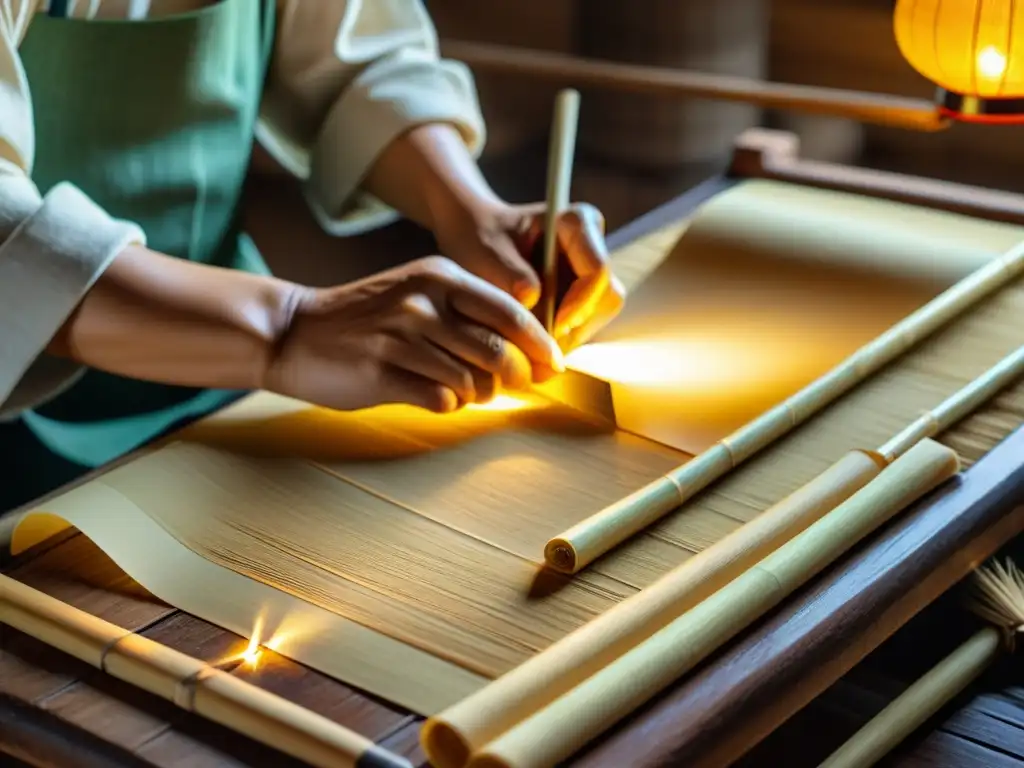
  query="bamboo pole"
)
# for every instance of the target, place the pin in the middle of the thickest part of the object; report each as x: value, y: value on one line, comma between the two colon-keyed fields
x: 955, y: 408
x: 999, y: 600
x: 559, y: 182
x: 879, y: 109
x: 451, y: 736
x: 193, y: 685
x: 555, y: 732
x: 591, y: 538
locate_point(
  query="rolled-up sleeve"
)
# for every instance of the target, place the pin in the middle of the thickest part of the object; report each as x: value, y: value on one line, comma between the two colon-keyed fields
x: 52, y: 248
x: 348, y: 78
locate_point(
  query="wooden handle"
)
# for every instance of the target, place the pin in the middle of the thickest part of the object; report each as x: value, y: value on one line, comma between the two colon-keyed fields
x: 560, y: 160
x: 592, y: 537
x: 189, y: 683
x: 919, y: 702
x: 555, y: 732
x: 911, y: 114
x: 451, y: 736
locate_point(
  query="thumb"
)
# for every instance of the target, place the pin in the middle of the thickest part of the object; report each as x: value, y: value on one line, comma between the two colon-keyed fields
x: 503, y: 264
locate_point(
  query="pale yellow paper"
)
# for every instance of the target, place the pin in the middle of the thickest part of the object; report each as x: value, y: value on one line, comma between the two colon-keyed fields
x: 770, y: 287
x: 323, y: 640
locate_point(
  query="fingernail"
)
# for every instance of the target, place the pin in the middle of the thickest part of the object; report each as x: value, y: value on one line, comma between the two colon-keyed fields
x: 449, y: 401
x: 526, y: 293
x: 557, y: 358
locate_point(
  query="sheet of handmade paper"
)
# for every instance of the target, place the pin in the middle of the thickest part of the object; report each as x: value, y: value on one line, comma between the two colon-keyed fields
x: 770, y: 287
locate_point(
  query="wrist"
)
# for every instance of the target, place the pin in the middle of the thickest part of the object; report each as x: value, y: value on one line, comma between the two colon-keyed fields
x: 157, y: 318
x: 429, y: 176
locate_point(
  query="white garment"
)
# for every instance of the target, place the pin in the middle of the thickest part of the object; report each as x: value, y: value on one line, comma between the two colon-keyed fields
x: 348, y: 77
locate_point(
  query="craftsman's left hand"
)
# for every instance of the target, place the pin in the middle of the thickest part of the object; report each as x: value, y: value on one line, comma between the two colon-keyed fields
x: 495, y: 242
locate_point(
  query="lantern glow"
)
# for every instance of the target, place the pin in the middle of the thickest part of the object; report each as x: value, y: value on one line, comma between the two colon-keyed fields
x: 973, y: 50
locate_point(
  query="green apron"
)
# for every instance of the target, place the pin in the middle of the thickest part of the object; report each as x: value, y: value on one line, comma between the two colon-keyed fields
x: 153, y: 120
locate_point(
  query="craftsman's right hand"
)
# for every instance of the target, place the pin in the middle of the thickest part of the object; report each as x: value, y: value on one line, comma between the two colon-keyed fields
x: 428, y: 334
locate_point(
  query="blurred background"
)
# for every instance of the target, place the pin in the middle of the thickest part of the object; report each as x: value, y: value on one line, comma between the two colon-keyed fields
x: 635, y: 152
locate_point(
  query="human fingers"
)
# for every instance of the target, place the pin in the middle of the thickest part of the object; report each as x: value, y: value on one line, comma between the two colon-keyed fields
x: 401, y: 386
x: 496, y: 259
x: 485, y: 350
x: 483, y: 303
x: 419, y: 356
x: 603, y: 313
x: 581, y: 236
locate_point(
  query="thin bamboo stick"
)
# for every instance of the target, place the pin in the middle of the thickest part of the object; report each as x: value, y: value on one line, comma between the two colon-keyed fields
x: 880, y: 109
x: 191, y: 684
x: 919, y: 702
x: 591, y: 538
x: 954, y: 408
x: 555, y: 732
x: 451, y: 736
x: 559, y: 182
x: 999, y: 600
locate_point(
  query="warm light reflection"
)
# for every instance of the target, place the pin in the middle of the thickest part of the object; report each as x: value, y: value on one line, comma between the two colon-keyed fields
x: 251, y: 655
x: 991, y: 62
x: 276, y: 633
x: 964, y: 46
x: 697, y: 362
x: 502, y: 403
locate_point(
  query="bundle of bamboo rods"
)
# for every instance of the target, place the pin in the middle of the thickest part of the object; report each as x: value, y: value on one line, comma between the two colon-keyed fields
x: 999, y: 599
x: 193, y: 685
x: 559, y: 729
x: 593, y: 537
x: 451, y: 737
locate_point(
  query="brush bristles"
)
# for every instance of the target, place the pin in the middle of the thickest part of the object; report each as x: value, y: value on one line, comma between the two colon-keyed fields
x: 998, y: 595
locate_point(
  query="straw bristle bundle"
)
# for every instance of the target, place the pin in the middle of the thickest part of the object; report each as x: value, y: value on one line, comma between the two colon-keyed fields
x: 998, y: 595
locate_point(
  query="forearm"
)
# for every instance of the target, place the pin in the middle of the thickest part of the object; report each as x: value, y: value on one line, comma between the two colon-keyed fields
x: 157, y: 318
x: 428, y: 175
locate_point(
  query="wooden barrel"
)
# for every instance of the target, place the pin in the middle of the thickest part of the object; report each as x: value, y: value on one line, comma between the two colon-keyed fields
x: 650, y: 133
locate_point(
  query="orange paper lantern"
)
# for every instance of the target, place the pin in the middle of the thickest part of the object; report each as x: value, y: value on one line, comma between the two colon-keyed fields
x: 973, y: 50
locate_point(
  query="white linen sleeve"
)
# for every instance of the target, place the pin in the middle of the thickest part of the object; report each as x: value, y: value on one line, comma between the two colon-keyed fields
x: 349, y: 77
x: 52, y: 248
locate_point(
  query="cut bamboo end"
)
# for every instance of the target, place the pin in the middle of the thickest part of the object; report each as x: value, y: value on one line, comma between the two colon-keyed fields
x: 581, y: 545
x: 555, y: 732
x: 450, y: 737
x: 560, y: 555
x: 595, y: 536
x: 188, y: 682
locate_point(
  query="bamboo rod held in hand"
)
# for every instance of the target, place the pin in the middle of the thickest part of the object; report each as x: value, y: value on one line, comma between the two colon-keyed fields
x: 589, y: 539
x: 189, y: 683
x: 451, y: 736
x: 555, y: 732
x: 559, y: 182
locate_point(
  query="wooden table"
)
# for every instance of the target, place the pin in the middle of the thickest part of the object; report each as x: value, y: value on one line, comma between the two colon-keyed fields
x: 57, y: 712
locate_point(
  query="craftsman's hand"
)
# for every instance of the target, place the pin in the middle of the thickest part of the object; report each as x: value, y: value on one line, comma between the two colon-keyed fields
x: 428, y: 334
x: 496, y: 240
